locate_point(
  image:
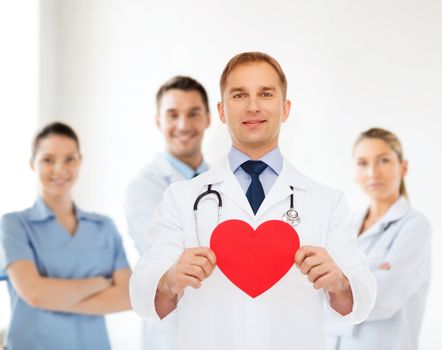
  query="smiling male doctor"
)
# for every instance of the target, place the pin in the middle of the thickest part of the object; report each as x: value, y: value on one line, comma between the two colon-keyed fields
x: 176, y: 274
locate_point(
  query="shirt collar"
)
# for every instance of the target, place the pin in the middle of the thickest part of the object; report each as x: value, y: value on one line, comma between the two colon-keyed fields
x: 187, y: 171
x: 273, y: 159
x: 41, y: 212
x: 398, y: 210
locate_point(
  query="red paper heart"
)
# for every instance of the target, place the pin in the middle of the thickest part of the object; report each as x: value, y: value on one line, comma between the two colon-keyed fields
x: 254, y: 260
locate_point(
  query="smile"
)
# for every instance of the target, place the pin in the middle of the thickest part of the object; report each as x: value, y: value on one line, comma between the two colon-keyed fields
x: 254, y: 122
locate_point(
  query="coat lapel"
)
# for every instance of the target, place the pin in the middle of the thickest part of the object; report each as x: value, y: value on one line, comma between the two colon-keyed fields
x: 167, y: 170
x: 228, y: 185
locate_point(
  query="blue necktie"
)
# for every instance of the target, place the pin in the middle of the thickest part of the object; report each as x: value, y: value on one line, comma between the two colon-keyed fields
x: 255, y: 192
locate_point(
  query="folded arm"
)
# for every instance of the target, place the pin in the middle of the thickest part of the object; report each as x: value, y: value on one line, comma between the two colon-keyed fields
x: 51, y: 293
x: 113, y: 299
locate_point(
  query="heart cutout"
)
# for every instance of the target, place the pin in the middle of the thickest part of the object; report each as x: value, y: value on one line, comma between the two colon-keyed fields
x: 254, y: 260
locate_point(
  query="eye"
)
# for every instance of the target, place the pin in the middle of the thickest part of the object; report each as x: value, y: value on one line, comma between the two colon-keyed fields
x: 266, y: 94
x: 239, y: 95
x: 361, y: 163
x: 384, y: 161
x: 172, y: 116
x: 71, y: 159
x: 47, y: 160
x: 194, y: 114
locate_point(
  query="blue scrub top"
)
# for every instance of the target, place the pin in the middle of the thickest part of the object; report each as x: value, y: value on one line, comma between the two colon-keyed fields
x: 95, y: 250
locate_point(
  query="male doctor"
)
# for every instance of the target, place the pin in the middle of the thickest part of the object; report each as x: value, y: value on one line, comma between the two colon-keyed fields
x: 182, y: 117
x: 178, y: 274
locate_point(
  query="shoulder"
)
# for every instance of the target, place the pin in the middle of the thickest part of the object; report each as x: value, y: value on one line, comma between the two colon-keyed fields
x: 13, y: 218
x: 416, y: 221
x: 307, y: 183
x: 154, y: 175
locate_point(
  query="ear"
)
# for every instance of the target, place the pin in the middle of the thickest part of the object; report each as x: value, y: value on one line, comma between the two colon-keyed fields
x: 287, y: 105
x: 31, y: 164
x: 209, y: 119
x: 222, y: 117
x: 404, y: 170
x: 158, y: 121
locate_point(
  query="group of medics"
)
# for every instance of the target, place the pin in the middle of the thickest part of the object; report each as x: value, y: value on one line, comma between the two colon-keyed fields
x: 356, y: 283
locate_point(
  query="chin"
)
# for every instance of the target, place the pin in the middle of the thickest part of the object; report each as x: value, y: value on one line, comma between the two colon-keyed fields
x: 57, y: 191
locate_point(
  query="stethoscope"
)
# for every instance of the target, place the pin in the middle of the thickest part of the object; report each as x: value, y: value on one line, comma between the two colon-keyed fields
x: 291, y: 216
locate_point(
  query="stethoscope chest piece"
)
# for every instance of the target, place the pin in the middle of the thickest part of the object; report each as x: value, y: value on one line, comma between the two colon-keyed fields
x: 291, y: 217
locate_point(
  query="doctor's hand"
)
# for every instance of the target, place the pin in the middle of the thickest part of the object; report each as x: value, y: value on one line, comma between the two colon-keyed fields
x: 193, y: 267
x: 322, y: 271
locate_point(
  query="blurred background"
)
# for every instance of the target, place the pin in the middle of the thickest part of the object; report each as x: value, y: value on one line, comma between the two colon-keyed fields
x: 96, y: 65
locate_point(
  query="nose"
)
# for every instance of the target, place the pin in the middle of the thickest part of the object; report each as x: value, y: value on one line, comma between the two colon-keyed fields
x: 253, y: 105
x: 59, y: 167
x: 182, y: 123
x: 373, y: 170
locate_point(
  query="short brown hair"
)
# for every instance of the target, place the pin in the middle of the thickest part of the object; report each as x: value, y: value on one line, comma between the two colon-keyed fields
x: 392, y: 141
x: 183, y: 83
x: 252, y: 57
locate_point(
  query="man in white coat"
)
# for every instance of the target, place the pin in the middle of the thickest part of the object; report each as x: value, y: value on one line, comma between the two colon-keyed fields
x: 182, y: 117
x: 177, y: 274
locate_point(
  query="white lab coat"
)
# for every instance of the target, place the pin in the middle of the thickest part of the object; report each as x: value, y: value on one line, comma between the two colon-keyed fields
x: 403, y: 239
x: 143, y: 195
x: 221, y: 316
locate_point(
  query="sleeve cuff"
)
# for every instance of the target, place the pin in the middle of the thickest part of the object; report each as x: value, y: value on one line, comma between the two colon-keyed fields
x: 363, y: 287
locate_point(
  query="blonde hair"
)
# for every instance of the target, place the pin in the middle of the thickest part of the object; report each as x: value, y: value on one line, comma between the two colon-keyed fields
x: 252, y: 57
x: 392, y: 141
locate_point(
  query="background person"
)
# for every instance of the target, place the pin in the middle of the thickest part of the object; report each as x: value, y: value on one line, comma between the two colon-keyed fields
x: 397, y: 242
x: 66, y: 267
x: 182, y: 117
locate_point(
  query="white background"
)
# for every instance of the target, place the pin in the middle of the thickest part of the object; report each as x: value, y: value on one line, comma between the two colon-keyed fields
x: 97, y: 64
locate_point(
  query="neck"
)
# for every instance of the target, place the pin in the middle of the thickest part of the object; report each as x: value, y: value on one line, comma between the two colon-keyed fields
x: 194, y: 161
x: 60, y: 205
x: 378, y: 208
x: 255, y: 152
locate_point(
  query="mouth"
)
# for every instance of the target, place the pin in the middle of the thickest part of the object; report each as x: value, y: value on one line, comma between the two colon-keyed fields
x: 375, y: 185
x: 184, y: 137
x: 60, y: 182
x: 254, y: 122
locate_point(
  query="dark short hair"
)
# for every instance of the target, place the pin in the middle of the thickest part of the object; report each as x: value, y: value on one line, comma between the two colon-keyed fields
x: 252, y: 57
x: 55, y: 128
x: 183, y: 83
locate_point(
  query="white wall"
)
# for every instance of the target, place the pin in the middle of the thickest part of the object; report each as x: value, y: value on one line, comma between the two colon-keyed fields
x: 19, y: 58
x: 350, y: 65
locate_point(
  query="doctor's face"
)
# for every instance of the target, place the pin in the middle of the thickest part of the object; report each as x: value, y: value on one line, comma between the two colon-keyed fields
x: 56, y: 163
x: 253, y: 107
x: 182, y: 119
x: 378, y: 169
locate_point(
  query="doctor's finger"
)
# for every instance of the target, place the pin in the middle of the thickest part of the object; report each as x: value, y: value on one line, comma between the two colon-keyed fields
x: 302, y: 253
x: 210, y: 255
x: 191, y: 281
x: 310, y: 262
x: 195, y: 271
x: 318, y: 272
x: 204, y: 263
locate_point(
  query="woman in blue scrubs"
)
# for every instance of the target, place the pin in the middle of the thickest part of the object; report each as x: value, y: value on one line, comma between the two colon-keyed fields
x: 66, y: 267
x: 397, y: 242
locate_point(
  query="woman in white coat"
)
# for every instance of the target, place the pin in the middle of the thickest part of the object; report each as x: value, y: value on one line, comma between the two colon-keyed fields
x: 397, y: 242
